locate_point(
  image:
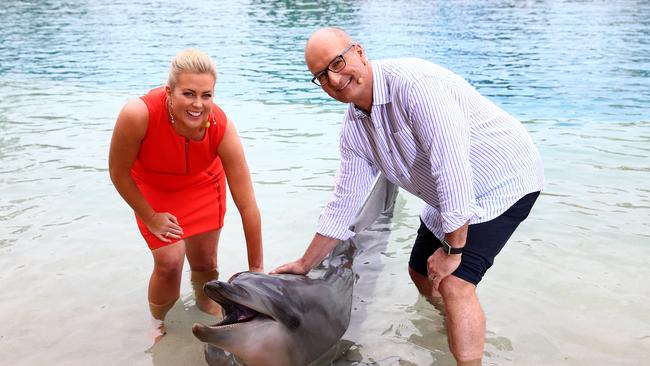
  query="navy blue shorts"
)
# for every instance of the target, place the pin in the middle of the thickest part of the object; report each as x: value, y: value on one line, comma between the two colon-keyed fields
x: 484, y: 242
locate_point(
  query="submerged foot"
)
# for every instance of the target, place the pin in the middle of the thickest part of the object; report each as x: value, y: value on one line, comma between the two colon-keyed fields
x: 157, y: 330
x: 438, y: 303
x: 209, y: 307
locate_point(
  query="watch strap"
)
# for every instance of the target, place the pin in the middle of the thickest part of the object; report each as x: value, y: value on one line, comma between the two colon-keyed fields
x: 449, y: 250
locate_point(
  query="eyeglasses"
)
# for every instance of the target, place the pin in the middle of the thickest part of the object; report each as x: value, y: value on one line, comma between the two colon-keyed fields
x: 336, y: 65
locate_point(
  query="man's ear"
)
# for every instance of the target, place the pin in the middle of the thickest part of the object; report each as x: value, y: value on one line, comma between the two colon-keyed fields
x: 362, y: 53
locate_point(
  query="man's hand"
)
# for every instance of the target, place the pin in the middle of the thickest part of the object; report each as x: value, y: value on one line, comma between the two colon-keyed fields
x: 441, y: 265
x: 319, y: 247
x: 295, y: 267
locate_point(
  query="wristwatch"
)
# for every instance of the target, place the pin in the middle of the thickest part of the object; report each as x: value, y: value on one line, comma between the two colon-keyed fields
x: 449, y: 250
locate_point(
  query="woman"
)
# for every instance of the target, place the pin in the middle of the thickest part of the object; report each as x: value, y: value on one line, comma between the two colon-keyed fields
x: 169, y: 153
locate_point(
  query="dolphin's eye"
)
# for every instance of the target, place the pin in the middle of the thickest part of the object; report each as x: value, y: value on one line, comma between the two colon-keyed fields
x: 293, y: 322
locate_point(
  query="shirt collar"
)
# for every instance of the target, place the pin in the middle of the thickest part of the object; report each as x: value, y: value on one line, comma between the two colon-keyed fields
x: 380, y: 93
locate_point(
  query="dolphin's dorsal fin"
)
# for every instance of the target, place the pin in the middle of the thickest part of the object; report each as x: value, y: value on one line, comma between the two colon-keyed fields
x: 379, y: 201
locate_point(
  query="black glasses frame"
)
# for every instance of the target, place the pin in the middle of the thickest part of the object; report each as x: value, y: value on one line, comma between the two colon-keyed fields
x: 324, y: 72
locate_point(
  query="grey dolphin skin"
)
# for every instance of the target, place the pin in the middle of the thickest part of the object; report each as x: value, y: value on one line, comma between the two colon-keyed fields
x: 285, y: 319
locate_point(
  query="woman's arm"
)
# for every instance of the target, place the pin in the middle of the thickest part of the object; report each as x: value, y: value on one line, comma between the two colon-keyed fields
x: 130, y: 129
x: 234, y: 163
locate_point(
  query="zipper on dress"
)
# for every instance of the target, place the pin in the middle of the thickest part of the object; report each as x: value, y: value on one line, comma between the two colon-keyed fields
x: 187, y: 155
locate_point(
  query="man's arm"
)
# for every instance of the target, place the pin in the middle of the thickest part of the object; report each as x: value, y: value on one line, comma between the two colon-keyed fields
x: 353, y: 180
x: 320, y: 247
x: 441, y: 121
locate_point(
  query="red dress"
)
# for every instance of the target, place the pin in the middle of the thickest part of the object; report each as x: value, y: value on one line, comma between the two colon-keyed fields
x: 178, y: 175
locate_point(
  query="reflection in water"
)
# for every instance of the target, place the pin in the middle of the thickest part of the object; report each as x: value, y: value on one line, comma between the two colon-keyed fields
x: 179, y: 346
x: 431, y: 332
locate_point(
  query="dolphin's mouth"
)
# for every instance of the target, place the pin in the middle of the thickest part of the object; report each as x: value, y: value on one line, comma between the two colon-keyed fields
x: 235, y: 313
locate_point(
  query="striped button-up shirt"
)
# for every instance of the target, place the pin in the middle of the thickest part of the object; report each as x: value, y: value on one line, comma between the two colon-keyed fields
x: 431, y: 133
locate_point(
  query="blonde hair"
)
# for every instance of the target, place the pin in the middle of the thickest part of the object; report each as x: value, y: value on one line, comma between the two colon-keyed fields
x: 192, y: 61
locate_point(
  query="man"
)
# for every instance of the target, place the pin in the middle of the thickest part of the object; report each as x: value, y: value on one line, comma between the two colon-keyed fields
x: 430, y: 132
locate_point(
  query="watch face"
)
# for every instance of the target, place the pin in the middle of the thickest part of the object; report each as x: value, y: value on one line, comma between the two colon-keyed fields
x: 446, y: 247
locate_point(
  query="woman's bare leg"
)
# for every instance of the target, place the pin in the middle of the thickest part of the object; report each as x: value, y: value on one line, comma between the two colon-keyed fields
x: 202, y: 256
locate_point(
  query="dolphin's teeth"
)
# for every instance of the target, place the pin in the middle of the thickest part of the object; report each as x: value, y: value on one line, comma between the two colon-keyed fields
x: 235, y: 313
x: 229, y: 322
x: 245, y: 317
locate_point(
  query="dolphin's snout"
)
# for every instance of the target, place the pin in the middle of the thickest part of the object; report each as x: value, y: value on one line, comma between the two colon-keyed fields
x: 197, y: 329
x: 215, y: 284
x: 214, y: 288
x: 204, y: 333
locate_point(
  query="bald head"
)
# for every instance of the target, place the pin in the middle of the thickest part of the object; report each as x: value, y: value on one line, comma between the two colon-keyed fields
x: 326, y: 36
x: 325, y: 42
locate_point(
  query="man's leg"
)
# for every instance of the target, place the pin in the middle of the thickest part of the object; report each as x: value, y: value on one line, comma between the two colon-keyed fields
x: 465, y: 320
x: 425, y: 288
x: 464, y: 317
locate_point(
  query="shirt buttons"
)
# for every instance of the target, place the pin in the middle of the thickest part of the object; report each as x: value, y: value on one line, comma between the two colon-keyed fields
x: 419, y: 193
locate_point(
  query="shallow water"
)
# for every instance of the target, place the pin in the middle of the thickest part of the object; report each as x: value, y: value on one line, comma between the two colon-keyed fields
x: 569, y: 289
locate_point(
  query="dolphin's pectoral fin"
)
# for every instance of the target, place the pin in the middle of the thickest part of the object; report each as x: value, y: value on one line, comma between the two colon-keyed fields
x: 333, y: 354
x: 216, y: 356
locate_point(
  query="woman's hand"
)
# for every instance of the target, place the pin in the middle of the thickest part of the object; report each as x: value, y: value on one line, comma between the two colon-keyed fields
x: 164, y: 226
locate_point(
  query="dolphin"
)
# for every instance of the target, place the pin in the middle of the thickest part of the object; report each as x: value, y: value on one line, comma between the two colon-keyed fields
x: 285, y: 319
x: 281, y: 320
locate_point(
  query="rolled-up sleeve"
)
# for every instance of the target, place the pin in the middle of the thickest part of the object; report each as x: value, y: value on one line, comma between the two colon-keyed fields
x: 353, y: 180
x: 441, y: 121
